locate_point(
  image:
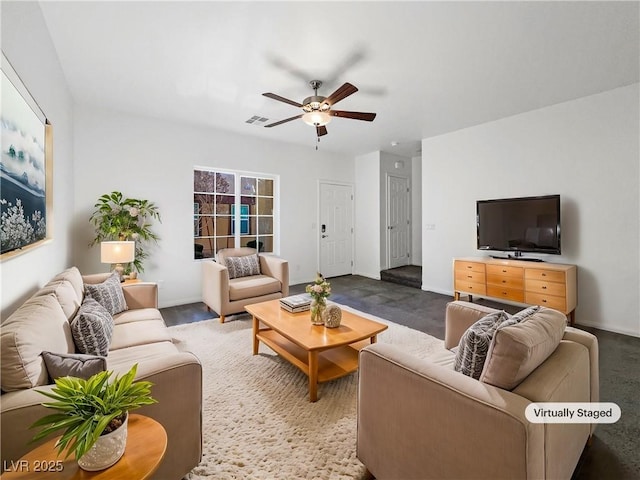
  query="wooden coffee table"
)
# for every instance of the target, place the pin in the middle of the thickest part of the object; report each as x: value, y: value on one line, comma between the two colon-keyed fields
x: 322, y: 353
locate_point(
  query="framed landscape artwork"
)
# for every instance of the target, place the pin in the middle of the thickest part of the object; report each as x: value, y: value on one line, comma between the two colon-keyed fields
x: 26, y: 177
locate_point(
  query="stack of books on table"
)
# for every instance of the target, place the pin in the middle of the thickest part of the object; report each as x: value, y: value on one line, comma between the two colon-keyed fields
x: 296, y: 303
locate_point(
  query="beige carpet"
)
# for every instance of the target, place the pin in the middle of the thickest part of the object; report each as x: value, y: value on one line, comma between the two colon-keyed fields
x: 258, y: 422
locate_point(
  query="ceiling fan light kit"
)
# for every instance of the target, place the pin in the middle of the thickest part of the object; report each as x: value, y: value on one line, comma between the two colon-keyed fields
x: 317, y: 109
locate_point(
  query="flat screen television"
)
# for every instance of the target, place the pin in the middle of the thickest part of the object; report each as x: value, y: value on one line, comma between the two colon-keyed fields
x: 526, y: 224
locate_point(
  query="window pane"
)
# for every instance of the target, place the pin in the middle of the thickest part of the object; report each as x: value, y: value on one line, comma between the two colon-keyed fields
x: 265, y: 206
x: 265, y: 225
x: 203, y: 181
x: 224, y: 203
x: 225, y: 242
x: 225, y: 182
x: 223, y: 225
x: 266, y: 243
x: 265, y: 187
x: 248, y: 242
x: 203, y: 248
x: 203, y: 203
x: 248, y: 185
x: 249, y: 202
x: 205, y: 226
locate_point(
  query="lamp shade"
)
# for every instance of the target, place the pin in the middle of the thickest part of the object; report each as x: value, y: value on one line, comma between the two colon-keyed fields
x: 316, y: 118
x: 117, y: 252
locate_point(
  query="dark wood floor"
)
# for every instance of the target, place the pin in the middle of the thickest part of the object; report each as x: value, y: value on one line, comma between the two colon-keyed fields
x: 615, y: 452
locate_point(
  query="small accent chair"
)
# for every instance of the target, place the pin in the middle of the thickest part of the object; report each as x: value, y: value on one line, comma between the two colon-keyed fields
x: 226, y: 295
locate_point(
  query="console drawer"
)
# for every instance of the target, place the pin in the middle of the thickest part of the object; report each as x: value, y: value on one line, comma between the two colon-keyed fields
x: 504, y: 271
x: 513, y: 294
x: 557, y: 303
x: 461, y: 265
x: 470, y: 287
x: 546, y: 275
x: 469, y: 276
x: 546, y: 287
x: 505, y: 281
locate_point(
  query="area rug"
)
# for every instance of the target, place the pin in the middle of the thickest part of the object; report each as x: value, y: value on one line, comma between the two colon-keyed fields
x: 258, y: 422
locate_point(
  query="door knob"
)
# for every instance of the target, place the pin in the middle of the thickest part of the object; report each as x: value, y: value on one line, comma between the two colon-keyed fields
x: 325, y: 236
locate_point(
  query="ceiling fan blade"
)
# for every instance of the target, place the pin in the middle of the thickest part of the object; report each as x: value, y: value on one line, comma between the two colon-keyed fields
x: 321, y: 130
x: 283, y: 121
x: 367, y: 117
x: 282, y: 99
x: 341, y: 93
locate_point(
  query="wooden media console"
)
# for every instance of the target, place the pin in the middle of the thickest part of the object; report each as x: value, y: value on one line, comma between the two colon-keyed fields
x: 551, y: 285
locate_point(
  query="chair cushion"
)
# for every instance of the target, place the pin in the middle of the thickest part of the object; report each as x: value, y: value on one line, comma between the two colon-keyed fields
x: 255, y: 286
x: 39, y: 324
x: 108, y: 294
x: 92, y: 328
x: 245, y: 266
x: 518, y: 349
x: 76, y: 365
x: 474, y: 344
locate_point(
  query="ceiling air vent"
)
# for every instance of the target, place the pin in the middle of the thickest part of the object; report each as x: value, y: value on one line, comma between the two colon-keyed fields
x: 257, y: 120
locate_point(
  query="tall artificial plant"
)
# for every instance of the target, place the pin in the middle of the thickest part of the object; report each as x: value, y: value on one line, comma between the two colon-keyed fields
x: 119, y: 218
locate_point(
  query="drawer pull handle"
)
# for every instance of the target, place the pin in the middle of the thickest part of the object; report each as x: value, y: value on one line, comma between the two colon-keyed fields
x: 469, y: 276
x: 504, y: 281
x: 544, y: 300
x: 544, y: 287
x: 544, y: 274
x: 468, y: 266
x: 504, y: 271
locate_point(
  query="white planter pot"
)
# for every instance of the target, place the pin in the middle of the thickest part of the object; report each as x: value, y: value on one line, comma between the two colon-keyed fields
x: 107, y: 450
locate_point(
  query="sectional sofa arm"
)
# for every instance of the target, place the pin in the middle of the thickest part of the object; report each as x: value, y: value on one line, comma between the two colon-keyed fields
x: 417, y: 419
x: 277, y: 268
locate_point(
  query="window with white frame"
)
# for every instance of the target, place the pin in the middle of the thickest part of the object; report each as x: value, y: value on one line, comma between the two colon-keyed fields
x: 232, y: 209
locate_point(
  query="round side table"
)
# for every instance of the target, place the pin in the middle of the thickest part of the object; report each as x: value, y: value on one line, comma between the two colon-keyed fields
x: 146, y: 446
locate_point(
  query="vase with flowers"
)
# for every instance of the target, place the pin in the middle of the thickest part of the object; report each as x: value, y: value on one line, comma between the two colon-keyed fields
x: 319, y: 290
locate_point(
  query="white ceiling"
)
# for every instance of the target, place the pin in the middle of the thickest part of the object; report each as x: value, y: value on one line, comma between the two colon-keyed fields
x: 426, y: 68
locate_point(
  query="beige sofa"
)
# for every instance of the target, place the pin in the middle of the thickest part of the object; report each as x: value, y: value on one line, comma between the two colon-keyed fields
x: 226, y: 295
x: 139, y: 336
x: 420, y: 419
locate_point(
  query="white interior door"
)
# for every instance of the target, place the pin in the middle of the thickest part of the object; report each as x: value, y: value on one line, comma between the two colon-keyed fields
x: 398, y: 221
x: 336, y: 229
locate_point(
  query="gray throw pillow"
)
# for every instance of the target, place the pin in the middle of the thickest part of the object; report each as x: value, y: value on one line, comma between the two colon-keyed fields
x: 474, y: 344
x: 243, y: 266
x: 73, y: 364
x: 109, y: 294
x: 92, y: 328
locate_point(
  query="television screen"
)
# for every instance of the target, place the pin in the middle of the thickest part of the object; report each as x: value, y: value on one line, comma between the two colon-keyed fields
x: 530, y: 224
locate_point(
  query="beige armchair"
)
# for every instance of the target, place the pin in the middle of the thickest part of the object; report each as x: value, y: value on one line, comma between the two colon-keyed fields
x: 418, y: 418
x: 226, y: 295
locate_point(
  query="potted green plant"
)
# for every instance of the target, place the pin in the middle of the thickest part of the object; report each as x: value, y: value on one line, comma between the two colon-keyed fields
x: 90, y: 410
x: 119, y: 218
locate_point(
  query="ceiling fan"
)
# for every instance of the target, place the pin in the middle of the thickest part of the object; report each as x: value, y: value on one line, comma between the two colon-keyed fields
x: 317, y: 110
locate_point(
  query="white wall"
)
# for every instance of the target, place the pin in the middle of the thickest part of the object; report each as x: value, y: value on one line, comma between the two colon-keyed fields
x: 367, y: 215
x: 26, y: 44
x: 587, y: 150
x: 153, y: 159
x: 416, y: 211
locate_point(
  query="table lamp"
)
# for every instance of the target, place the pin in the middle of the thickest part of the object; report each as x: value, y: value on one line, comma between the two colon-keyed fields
x: 118, y: 253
